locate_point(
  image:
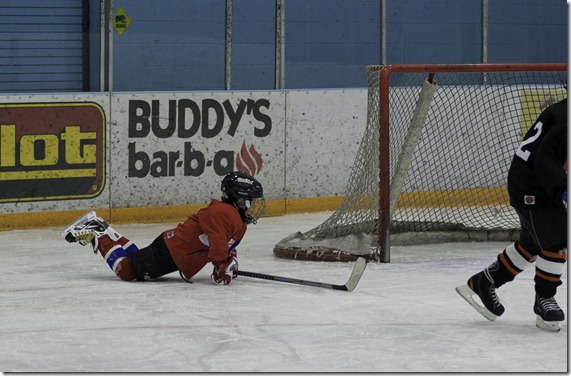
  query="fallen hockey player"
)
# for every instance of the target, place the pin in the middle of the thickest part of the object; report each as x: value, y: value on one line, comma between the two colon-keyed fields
x: 209, y: 236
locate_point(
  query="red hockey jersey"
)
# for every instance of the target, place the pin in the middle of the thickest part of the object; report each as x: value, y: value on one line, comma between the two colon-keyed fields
x: 207, y: 236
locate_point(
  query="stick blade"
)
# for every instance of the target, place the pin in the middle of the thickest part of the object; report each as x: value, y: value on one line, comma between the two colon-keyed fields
x: 358, y: 270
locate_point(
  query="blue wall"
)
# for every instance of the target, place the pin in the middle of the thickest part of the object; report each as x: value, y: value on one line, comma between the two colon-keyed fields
x: 170, y: 45
x: 180, y: 44
x: 253, y: 44
x: 329, y: 43
x: 437, y: 31
x: 528, y: 31
x: 41, y: 52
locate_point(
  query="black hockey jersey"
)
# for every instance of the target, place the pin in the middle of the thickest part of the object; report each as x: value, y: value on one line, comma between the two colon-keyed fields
x: 538, y: 173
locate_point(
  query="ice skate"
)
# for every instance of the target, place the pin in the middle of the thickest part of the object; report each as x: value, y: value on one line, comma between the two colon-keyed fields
x: 482, y: 285
x: 549, y: 314
x: 79, y: 222
x: 86, y: 229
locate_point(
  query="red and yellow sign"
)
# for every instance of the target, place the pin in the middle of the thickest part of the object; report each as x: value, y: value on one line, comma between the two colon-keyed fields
x: 51, y: 151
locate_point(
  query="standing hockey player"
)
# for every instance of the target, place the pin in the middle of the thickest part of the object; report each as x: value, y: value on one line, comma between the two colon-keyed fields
x: 210, y: 235
x: 537, y: 185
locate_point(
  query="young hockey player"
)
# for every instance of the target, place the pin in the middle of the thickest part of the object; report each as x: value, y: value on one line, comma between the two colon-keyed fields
x: 537, y: 185
x: 210, y: 235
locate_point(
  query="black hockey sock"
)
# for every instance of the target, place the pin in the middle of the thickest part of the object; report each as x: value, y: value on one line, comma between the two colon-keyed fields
x: 499, y: 273
x: 511, y: 261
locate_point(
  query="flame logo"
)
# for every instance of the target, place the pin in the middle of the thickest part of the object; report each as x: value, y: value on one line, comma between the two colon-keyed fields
x: 249, y: 160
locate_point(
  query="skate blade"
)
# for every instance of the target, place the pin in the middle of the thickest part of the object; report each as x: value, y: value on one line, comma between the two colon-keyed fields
x: 79, y: 221
x: 467, y: 294
x: 550, y: 326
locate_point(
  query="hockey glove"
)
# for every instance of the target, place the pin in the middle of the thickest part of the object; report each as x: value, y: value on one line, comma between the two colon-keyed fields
x: 223, y: 273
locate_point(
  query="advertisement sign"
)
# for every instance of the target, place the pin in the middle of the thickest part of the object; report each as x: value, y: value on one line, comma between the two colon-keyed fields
x: 173, y: 148
x: 51, y: 151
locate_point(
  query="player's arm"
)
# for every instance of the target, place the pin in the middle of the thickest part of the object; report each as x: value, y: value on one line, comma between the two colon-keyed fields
x: 220, y: 227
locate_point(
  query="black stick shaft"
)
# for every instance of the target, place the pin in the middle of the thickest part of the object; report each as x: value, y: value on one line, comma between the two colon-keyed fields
x: 291, y: 280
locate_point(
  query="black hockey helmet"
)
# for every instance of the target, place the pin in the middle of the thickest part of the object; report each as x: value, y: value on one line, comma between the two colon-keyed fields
x: 245, y: 193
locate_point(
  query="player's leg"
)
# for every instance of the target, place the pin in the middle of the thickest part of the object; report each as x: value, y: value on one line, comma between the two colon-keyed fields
x: 130, y: 263
x: 116, y: 254
x: 87, y: 229
x: 510, y: 262
x: 115, y: 248
x: 548, y: 230
x: 152, y: 261
x: 514, y: 259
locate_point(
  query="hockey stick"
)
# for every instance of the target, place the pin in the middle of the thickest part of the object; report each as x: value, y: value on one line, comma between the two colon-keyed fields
x: 356, y: 274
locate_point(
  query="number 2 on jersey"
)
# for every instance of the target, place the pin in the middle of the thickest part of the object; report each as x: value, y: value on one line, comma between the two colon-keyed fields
x: 521, y: 152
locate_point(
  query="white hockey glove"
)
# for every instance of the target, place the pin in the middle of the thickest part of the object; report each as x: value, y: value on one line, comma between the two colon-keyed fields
x: 223, y: 273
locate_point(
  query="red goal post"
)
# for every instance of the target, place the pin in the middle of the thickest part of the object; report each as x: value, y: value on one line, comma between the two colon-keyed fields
x: 433, y: 160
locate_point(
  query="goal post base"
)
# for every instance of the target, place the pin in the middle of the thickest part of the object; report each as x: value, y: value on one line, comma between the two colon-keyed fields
x: 322, y: 254
x: 329, y: 254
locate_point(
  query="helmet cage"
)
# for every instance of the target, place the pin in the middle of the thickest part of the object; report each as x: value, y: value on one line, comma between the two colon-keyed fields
x: 246, y: 194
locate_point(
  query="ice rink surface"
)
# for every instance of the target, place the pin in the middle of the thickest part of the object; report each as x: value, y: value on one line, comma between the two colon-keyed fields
x: 63, y: 310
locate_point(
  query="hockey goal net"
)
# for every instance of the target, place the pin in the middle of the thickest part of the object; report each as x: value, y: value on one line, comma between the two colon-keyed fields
x: 433, y: 160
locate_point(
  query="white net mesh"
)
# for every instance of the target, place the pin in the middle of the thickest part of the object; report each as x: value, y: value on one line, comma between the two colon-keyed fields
x: 451, y: 184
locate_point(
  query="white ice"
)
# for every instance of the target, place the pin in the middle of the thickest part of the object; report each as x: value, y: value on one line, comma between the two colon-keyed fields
x: 63, y: 310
